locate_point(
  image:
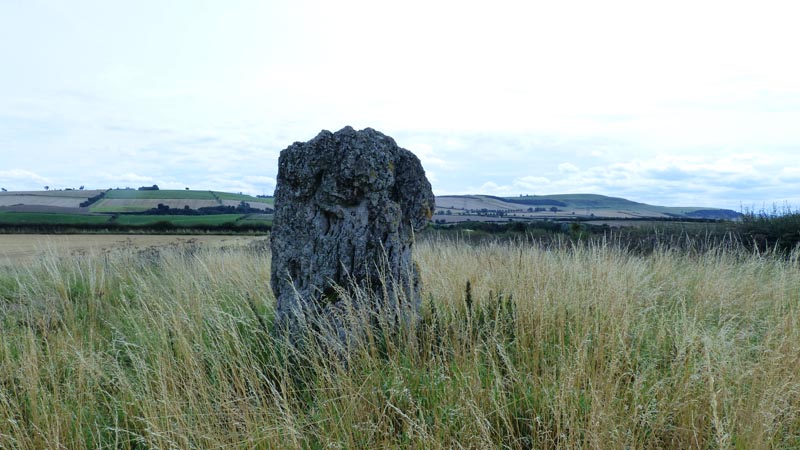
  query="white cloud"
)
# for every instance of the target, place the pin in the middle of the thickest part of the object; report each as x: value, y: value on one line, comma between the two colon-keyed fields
x: 568, y: 168
x: 262, y: 180
x: 531, y: 183
x: 428, y: 156
x: 20, y: 174
x: 522, y: 185
x: 22, y: 180
x: 492, y: 188
x: 131, y: 177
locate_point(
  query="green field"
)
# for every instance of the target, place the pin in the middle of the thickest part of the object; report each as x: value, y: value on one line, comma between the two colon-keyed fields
x: 256, y: 219
x: 181, y: 194
x: 18, y: 218
x: 101, y: 207
x: 68, y: 220
x: 241, y: 197
x: 138, y: 220
x: 161, y: 194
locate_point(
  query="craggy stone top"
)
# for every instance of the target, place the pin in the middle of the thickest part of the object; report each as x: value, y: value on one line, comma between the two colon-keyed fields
x: 346, y: 204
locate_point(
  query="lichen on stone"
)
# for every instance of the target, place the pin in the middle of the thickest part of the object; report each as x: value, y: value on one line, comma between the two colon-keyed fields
x: 342, y: 221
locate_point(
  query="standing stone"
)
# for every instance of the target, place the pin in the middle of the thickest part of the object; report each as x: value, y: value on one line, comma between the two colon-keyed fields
x: 346, y: 207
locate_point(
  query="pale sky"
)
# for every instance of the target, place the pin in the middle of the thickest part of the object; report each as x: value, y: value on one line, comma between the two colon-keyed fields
x: 681, y: 103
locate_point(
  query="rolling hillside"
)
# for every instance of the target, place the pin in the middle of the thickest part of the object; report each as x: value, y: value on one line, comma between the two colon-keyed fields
x: 100, y: 205
x: 467, y: 207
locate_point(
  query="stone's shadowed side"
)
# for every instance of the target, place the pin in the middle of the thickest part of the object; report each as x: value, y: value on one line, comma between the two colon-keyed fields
x: 346, y: 207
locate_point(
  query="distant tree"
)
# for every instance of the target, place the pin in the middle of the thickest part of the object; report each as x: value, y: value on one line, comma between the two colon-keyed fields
x: 187, y: 188
x: 554, y: 209
x: 4, y: 189
x: 81, y: 188
x: 47, y: 188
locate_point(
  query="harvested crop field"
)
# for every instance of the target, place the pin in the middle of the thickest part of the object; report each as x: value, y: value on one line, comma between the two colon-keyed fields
x: 43, y: 209
x: 64, y: 202
x: 72, y: 193
x: 16, y: 248
x: 470, y: 202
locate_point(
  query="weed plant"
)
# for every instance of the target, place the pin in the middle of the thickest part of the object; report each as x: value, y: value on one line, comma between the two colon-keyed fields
x: 518, y: 346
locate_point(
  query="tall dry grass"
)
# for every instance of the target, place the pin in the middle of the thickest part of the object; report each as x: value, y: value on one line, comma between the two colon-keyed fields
x: 584, y: 346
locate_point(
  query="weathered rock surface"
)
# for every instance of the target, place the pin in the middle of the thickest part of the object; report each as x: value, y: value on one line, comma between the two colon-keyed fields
x: 346, y: 207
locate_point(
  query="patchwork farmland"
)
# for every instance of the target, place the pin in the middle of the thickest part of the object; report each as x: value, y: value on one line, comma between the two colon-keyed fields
x: 59, y: 199
x: 141, y: 208
x: 128, y: 208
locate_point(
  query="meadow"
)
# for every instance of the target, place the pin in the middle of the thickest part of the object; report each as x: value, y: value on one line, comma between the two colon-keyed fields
x: 34, y: 222
x: 159, y: 194
x: 519, y: 345
x: 24, y: 248
x: 36, y: 218
x: 130, y: 200
x: 178, y: 221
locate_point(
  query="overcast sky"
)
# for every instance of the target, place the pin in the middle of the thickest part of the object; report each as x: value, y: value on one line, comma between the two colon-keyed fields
x: 692, y: 103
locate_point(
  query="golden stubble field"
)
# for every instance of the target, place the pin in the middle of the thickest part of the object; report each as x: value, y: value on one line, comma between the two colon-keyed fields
x: 17, y: 248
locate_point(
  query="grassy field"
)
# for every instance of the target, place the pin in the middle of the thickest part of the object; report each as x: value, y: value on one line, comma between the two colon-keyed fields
x: 160, y: 194
x: 118, y: 205
x: 24, y: 219
x: 24, y: 248
x: 576, y: 346
x: 217, y: 219
x: 122, y: 201
x: 256, y: 219
x: 241, y: 197
x: 18, y: 218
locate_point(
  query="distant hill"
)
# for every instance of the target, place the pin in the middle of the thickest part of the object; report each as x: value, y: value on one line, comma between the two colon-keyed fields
x: 449, y: 208
x: 453, y: 208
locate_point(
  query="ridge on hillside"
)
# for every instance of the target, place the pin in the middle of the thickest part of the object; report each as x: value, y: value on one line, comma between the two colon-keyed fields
x: 563, y: 206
